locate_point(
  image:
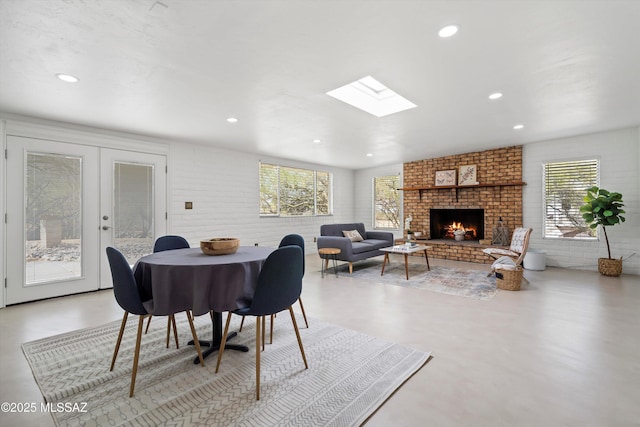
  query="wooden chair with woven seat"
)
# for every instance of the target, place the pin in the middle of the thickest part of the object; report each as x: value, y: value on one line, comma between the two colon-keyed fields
x: 517, y: 249
x: 127, y: 295
x: 278, y: 288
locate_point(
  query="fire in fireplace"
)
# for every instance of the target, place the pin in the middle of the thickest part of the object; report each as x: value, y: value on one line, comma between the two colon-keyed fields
x: 458, y: 224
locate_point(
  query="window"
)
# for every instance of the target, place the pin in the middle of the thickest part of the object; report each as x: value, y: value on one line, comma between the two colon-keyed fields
x: 565, y: 185
x: 386, y: 202
x: 286, y: 191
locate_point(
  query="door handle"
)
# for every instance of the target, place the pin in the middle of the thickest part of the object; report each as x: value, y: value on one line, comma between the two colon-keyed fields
x: 105, y: 227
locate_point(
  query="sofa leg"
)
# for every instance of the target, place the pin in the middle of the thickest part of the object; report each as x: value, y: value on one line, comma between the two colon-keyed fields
x: 350, y: 268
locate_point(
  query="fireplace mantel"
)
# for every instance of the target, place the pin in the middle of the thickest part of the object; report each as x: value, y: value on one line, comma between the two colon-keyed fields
x: 458, y: 187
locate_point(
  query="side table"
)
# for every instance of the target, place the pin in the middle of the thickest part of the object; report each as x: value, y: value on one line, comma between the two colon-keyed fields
x: 326, y: 254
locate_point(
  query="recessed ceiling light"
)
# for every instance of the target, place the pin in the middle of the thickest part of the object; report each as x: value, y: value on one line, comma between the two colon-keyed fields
x: 232, y: 120
x: 371, y: 96
x: 495, y: 95
x: 67, y: 78
x: 369, y: 154
x: 448, y: 31
x: 316, y: 141
x: 518, y: 127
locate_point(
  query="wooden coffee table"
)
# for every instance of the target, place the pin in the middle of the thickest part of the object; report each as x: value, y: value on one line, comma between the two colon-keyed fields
x: 404, y: 250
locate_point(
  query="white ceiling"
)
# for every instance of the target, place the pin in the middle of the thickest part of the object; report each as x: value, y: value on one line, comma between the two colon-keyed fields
x: 176, y: 69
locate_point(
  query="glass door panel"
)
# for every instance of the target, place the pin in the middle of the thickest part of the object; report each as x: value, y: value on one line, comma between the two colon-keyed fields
x: 53, y: 218
x: 133, y: 205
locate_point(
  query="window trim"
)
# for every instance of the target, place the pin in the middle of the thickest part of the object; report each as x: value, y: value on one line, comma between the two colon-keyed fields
x: 374, y: 200
x: 278, y: 213
x: 545, y: 221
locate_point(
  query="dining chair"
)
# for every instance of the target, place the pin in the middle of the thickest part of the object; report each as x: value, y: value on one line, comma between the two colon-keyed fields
x: 279, y: 286
x: 127, y: 295
x: 289, y: 239
x: 166, y: 243
x: 516, y: 252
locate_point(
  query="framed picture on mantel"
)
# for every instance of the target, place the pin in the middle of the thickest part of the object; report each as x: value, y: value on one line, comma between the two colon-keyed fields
x: 446, y: 177
x: 467, y: 175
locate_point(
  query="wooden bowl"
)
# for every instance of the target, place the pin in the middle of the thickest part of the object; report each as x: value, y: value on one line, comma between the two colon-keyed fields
x: 219, y: 246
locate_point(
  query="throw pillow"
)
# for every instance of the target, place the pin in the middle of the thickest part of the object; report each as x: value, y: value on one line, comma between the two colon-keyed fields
x: 353, y: 235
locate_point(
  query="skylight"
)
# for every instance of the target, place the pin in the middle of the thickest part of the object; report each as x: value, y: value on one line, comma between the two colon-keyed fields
x: 371, y: 96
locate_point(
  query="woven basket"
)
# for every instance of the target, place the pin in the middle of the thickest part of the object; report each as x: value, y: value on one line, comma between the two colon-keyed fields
x: 509, y: 280
x: 610, y: 267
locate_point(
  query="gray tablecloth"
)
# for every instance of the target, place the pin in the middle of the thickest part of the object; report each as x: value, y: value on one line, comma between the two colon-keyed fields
x: 186, y: 279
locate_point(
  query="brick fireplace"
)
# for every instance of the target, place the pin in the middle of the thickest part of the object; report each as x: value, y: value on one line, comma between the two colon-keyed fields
x: 498, y: 194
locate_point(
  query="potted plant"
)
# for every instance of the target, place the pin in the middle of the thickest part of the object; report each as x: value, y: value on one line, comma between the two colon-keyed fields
x: 604, y: 208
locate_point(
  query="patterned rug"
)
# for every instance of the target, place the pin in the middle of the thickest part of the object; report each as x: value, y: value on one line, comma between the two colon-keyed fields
x: 451, y: 281
x: 350, y: 375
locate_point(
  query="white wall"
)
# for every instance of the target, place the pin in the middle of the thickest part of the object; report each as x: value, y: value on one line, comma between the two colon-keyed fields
x: 224, y: 188
x: 619, y: 171
x: 363, y: 194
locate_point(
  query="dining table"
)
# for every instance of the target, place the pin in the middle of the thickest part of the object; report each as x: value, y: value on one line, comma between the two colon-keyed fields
x: 186, y: 279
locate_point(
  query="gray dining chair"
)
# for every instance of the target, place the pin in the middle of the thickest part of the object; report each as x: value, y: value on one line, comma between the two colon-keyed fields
x: 289, y: 239
x: 278, y: 288
x: 127, y: 295
x: 167, y: 243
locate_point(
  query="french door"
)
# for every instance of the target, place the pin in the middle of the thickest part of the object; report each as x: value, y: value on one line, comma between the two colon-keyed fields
x: 66, y: 203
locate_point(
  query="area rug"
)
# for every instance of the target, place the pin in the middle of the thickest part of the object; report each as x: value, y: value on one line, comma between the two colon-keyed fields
x: 350, y: 375
x: 451, y: 281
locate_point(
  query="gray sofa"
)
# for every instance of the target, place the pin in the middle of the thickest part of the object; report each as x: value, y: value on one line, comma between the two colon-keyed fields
x: 331, y: 236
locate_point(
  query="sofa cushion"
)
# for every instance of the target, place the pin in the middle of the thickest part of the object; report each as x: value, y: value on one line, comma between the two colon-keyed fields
x: 360, y: 247
x: 377, y: 244
x: 353, y: 235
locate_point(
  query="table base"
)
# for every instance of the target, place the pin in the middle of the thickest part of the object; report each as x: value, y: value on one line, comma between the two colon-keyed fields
x: 216, y: 339
x: 406, y: 262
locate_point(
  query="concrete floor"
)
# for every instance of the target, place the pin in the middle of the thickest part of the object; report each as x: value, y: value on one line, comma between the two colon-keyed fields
x: 563, y: 351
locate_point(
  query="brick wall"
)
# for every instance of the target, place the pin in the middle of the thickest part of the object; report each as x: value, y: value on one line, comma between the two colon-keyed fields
x: 497, y: 166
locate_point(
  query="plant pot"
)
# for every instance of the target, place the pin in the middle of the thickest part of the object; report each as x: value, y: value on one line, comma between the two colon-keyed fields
x: 610, y: 267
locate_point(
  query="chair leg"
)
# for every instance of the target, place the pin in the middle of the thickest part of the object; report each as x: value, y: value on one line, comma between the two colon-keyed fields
x: 115, y: 352
x: 350, y: 268
x: 241, y: 323
x: 136, y: 356
x: 175, y: 329
x: 258, y: 321
x: 194, y: 335
x: 273, y: 319
x: 295, y: 327
x: 223, y: 341
x: 148, y: 323
x: 263, y: 329
x: 168, y: 330
x: 304, y: 315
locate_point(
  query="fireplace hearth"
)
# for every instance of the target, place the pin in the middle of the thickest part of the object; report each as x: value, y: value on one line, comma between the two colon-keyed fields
x: 457, y: 224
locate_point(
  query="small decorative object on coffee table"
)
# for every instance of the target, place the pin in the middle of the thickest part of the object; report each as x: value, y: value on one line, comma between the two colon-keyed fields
x: 405, y: 250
